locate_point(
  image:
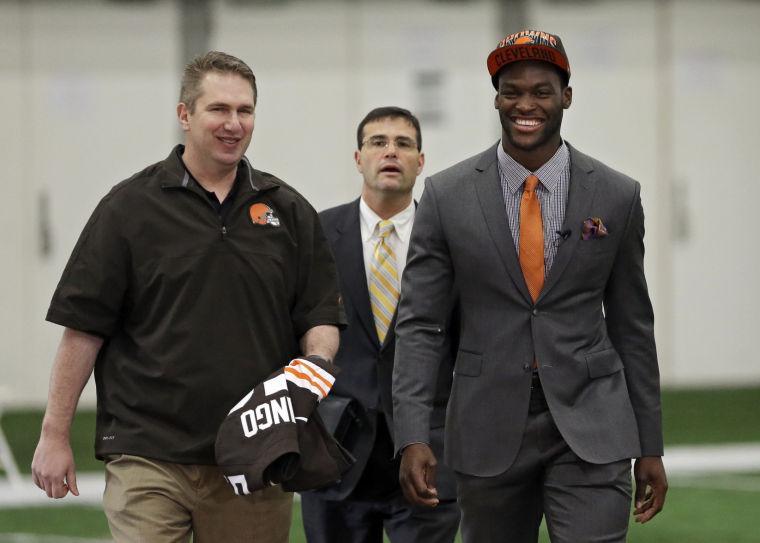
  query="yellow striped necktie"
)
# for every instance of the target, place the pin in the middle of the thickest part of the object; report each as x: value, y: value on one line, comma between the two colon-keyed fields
x: 383, y: 281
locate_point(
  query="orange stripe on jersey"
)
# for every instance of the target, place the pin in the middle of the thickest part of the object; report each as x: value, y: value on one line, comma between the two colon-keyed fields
x: 312, y: 371
x: 307, y: 378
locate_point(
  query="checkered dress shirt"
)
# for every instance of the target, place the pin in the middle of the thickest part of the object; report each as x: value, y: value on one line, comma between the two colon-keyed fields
x: 552, y: 193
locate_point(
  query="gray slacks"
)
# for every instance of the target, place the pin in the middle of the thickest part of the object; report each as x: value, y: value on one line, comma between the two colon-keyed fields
x: 582, y: 502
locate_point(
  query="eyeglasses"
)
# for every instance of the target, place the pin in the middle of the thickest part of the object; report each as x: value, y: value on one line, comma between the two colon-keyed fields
x: 378, y: 143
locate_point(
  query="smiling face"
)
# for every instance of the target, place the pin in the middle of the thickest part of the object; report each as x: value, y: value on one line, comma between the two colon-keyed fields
x: 390, y: 169
x: 531, y: 101
x: 218, y: 130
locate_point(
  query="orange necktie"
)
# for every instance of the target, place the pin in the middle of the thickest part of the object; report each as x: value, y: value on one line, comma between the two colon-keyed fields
x: 532, y: 238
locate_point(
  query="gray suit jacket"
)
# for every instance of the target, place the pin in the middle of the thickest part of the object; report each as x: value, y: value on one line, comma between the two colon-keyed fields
x: 591, y: 328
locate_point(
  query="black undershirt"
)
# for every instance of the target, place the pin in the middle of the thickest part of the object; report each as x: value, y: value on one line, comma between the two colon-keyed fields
x: 222, y: 208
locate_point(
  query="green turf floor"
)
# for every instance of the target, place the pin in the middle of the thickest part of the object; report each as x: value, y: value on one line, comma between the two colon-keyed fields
x: 689, y: 417
x: 713, y: 509
x: 695, y: 513
x: 711, y: 416
x: 22, y: 429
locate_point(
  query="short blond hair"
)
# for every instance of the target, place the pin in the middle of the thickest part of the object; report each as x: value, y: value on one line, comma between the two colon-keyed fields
x: 213, y: 61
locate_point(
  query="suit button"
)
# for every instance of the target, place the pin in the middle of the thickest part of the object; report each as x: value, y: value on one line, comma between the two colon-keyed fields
x: 535, y: 312
x: 526, y: 367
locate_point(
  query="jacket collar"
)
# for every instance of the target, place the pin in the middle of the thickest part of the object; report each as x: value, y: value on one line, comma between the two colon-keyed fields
x: 177, y: 174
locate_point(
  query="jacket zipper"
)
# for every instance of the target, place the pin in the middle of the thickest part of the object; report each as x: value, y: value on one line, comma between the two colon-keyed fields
x: 223, y: 229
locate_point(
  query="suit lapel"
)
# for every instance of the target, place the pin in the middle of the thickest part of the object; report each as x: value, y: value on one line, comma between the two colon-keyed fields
x: 350, y: 254
x: 579, y: 200
x: 488, y: 189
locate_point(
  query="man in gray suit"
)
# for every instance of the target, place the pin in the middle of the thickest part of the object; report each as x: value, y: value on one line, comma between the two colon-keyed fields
x: 556, y: 381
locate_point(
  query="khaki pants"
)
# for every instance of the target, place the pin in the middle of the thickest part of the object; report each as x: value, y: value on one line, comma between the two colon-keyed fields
x: 160, y: 502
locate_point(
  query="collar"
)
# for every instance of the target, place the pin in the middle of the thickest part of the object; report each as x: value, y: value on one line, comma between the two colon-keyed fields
x: 247, y: 178
x: 402, y: 221
x: 515, y: 173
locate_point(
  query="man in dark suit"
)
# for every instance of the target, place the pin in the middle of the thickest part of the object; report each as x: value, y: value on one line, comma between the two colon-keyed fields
x: 556, y: 382
x: 369, y: 238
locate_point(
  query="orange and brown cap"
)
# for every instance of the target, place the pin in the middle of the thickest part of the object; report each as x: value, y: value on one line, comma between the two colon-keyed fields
x: 527, y: 45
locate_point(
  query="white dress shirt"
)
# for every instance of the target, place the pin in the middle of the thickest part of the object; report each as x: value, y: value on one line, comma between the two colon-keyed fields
x: 398, y: 239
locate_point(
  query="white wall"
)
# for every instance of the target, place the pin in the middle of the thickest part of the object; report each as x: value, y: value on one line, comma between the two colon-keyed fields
x: 88, y: 91
x: 322, y: 66
x: 89, y: 88
x: 668, y: 96
x: 716, y: 114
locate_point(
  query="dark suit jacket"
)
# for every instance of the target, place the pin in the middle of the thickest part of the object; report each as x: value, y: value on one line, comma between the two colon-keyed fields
x: 366, y: 366
x: 591, y: 328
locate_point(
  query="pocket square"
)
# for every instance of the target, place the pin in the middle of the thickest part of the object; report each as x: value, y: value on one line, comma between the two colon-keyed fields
x: 593, y: 228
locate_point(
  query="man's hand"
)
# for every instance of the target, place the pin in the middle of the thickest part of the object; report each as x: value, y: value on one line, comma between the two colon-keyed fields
x: 53, y: 468
x: 651, y: 487
x: 417, y: 475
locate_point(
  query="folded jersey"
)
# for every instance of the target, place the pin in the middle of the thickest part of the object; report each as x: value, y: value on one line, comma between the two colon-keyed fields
x: 274, y: 434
